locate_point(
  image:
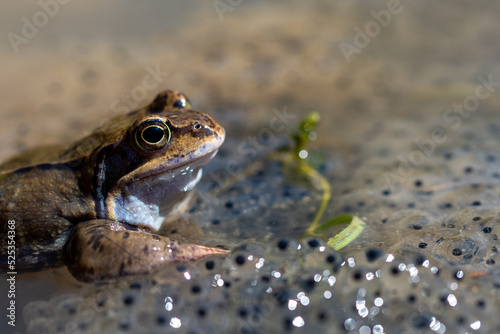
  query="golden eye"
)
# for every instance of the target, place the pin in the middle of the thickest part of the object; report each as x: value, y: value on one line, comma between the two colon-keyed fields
x: 182, y: 103
x: 152, y: 135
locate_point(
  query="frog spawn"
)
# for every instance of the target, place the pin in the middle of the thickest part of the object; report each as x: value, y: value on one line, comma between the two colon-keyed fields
x: 442, y: 216
x: 292, y: 287
x: 296, y: 287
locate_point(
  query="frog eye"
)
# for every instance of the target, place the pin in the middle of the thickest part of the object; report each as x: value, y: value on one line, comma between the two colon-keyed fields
x: 182, y: 102
x: 152, y: 134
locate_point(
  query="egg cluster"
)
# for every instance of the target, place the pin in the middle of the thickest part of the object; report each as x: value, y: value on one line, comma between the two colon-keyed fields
x: 291, y: 287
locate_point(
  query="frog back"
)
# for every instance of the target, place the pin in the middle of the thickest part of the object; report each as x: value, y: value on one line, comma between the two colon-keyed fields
x: 42, y: 204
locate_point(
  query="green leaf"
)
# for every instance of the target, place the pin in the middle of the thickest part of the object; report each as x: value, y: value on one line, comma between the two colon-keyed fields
x: 301, y: 167
x: 343, y: 219
x: 347, y: 235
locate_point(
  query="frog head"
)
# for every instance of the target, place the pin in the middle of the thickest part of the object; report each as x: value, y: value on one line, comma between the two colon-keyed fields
x: 146, y: 163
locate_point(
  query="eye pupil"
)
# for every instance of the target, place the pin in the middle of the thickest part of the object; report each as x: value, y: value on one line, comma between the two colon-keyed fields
x: 153, y: 134
x: 180, y: 103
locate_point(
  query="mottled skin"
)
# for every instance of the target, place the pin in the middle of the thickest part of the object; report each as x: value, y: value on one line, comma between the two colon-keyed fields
x: 96, y: 204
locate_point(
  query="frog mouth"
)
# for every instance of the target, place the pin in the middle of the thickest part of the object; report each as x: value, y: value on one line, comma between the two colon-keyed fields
x: 179, y: 166
x: 152, y: 197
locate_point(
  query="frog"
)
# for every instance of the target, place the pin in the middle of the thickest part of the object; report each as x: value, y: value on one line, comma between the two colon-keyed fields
x: 96, y: 205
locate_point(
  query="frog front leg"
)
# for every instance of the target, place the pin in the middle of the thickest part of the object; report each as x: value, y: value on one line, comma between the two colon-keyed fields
x: 105, y: 249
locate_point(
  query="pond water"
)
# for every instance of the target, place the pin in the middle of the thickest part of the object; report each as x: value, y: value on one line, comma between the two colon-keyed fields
x: 408, y: 94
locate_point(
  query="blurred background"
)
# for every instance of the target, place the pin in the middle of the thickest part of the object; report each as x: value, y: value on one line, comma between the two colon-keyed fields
x: 69, y: 65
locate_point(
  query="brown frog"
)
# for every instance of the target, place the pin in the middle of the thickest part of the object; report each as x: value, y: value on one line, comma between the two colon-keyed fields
x: 96, y: 205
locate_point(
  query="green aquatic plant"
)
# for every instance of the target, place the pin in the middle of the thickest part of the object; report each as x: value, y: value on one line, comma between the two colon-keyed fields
x: 297, y: 159
x: 296, y: 167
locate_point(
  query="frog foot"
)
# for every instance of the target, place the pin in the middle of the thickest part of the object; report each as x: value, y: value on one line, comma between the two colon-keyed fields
x: 101, y: 250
